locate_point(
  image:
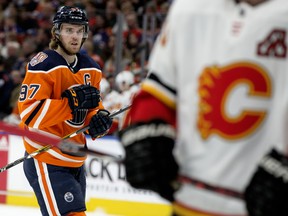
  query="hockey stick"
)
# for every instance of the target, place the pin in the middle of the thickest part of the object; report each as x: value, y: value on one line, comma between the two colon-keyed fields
x: 37, y: 136
x: 48, y: 139
x: 20, y: 160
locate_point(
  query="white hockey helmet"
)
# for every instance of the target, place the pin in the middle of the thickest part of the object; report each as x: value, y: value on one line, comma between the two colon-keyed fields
x: 104, y: 86
x: 124, y: 80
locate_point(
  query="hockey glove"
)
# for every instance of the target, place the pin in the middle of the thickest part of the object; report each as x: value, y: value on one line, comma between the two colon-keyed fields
x: 82, y: 97
x: 267, y: 192
x: 149, y: 160
x: 100, y: 124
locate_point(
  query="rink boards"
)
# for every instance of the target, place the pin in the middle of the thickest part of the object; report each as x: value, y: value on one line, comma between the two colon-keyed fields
x: 107, y: 189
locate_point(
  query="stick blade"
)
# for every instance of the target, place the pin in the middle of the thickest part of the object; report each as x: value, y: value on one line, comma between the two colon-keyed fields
x: 38, y: 136
x: 65, y: 146
x: 80, y: 151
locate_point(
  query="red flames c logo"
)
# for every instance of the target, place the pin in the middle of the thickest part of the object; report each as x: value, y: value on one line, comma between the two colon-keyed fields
x: 216, y: 84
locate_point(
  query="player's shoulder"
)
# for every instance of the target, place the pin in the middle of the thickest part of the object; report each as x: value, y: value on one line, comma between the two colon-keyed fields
x: 187, y: 8
x: 46, y: 60
x: 198, y: 6
x: 184, y: 13
x: 85, y: 61
x: 276, y: 9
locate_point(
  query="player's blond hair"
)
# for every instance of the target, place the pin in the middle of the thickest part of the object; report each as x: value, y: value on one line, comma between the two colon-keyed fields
x: 53, y: 42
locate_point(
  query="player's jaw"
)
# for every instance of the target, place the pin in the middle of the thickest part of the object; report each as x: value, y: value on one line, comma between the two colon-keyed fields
x: 74, y: 46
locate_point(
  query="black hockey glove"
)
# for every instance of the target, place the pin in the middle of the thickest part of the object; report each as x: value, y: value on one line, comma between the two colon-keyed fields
x: 100, y: 124
x: 149, y: 160
x: 267, y: 192
x: 82, y: 97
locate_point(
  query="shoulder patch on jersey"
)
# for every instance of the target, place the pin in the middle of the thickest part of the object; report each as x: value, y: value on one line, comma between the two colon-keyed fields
x: 40, y: 57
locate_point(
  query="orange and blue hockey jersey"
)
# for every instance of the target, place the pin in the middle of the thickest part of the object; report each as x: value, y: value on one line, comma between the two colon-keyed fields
x: 41, y: 106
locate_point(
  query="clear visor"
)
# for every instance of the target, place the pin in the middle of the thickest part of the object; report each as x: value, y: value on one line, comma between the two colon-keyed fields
x: 72, y: 30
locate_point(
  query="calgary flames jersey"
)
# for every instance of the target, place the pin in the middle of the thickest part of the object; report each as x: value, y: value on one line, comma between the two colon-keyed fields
x: 223, y: 68
x: 41, y: 106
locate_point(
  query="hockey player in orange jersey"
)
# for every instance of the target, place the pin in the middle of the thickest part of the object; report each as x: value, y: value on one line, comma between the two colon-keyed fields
x: 60, y: 95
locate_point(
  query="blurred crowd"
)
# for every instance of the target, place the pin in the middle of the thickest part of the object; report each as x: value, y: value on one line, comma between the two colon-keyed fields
x: 25, y: 30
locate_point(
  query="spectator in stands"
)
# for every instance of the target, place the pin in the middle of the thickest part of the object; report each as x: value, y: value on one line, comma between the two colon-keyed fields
x: 25, y: 29
x: 100, y: 34
x: 11, y: 54
x: 6, y: 87
x: 111, y: 11
x: 17, y: 78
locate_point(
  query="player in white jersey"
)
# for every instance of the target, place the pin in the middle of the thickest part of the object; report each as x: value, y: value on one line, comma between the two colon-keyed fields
x: 218, y: 85
x: 125, y: 83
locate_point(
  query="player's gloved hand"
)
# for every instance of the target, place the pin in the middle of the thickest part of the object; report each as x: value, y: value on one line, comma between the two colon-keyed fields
x: 149, y: 160
x: 100, y: 124
x: 267, y: 192
x: 82, y: 97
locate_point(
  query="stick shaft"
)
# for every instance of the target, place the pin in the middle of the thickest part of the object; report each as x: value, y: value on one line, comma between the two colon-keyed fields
x: 39, y: 137
x: 87, y: 127
x: 20, y: 160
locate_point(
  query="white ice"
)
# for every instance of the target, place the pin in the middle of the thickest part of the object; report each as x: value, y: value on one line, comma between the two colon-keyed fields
x: 11, y: 210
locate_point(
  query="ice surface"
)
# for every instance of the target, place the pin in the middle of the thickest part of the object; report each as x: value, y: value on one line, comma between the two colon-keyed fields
x: 10, y: 210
